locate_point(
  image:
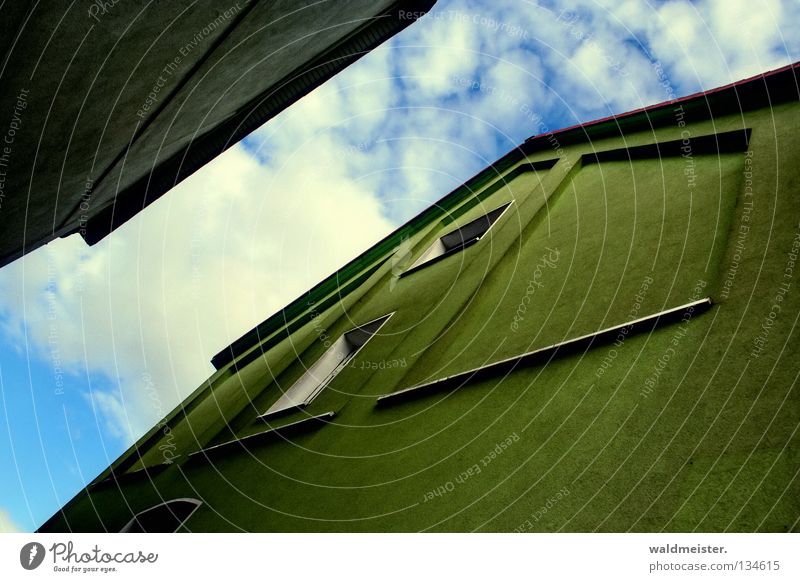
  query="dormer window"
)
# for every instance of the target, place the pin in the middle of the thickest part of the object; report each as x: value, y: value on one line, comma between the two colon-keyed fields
x: 459, y: 239
x: 325, y: 369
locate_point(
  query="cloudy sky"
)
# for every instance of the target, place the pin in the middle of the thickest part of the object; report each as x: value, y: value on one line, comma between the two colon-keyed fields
x: 97, y: 344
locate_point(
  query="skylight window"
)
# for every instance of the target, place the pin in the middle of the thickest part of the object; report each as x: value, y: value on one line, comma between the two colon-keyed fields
x: 459, y: 239
x: 324, y: 370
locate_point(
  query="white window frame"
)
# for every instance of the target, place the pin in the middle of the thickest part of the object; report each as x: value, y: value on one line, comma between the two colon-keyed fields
x: 322, y: 372
x: 440, y: 249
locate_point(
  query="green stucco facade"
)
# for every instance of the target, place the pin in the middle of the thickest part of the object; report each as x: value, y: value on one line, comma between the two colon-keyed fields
x: 691, y: 425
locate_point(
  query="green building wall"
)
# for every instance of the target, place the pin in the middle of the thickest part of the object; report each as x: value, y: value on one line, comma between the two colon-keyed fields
x: 690, y: 426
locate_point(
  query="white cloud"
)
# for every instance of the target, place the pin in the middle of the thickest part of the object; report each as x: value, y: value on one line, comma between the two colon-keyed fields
x: 706, y: 43
x: 445, y: 47
x: 152, y: 303
x: 112, y: 414
x: 7, y: 524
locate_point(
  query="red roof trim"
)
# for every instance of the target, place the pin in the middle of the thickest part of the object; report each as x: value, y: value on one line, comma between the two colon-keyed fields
x: 765, y: 75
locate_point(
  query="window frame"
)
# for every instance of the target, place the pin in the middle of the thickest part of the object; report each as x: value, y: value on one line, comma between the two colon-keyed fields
x: 329, y: 376
x: 196, y: 502
x: 426, y: 259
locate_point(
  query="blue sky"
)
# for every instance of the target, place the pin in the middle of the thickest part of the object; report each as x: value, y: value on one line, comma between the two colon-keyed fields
x: 97, y: 344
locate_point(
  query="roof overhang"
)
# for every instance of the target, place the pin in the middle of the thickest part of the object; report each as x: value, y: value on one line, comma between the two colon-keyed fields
x: 107, y: 105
